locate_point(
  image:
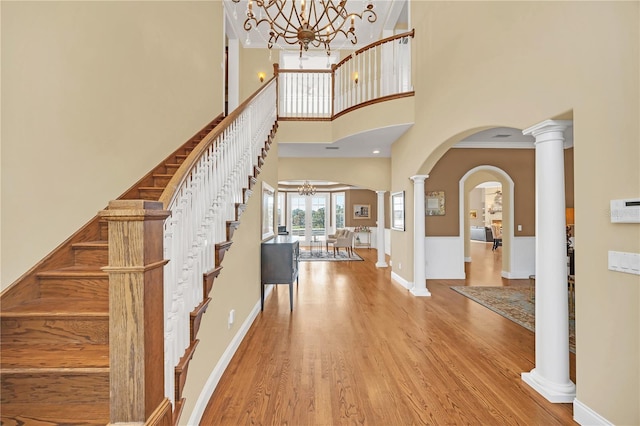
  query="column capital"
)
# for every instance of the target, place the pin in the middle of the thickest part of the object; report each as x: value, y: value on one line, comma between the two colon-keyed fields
x: 419, y: 178
x: 381, y: 191
x: 547, y: 126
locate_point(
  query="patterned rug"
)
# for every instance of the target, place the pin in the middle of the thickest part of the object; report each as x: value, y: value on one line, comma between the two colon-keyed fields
x: 308, y: 256
x: 512, y: 303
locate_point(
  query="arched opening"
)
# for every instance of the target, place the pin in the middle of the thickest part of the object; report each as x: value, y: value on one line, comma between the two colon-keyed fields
x: 486, y: 202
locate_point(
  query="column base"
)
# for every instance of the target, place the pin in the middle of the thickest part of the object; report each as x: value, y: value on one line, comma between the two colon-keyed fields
x: 553, y: 392
x: 420, y: 292
x: 381, y: 264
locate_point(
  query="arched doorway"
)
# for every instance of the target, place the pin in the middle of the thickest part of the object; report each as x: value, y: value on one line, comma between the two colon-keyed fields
x: 473, y: 178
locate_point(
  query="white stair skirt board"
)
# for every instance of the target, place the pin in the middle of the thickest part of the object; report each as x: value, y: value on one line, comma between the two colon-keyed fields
x: 553, y: 392
x: 586, y: 416
x: 223, y: 362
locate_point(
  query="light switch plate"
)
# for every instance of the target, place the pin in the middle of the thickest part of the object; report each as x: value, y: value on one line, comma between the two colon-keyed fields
x: 624, y: 262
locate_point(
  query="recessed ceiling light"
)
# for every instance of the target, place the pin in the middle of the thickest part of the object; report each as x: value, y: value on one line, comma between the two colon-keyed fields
x: 377, y: 151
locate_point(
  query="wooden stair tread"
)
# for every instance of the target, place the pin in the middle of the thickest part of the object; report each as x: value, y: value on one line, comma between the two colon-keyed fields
x: 54, y: 358
x: 54, y: 414
x: 90, y: 244
x: 59, y: 307
x: 74, y: 272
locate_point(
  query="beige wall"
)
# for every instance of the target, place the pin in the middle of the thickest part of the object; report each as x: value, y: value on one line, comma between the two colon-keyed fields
x: 94, y: 94
x: 253, y: 61
x: 398, y: 112
x: 516, y: 64
x: 370, y: 173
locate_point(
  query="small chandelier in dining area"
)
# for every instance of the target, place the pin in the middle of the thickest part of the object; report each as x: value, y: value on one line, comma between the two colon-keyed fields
x: 306, y: 22
x: 306, y: 189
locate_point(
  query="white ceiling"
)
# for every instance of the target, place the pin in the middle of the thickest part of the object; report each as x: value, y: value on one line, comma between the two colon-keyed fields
x: 389, y: 14
x: 363, y: 144
x: 359, y: 145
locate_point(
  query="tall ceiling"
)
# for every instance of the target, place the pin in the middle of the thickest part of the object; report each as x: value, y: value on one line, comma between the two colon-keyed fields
x: 390, y: 15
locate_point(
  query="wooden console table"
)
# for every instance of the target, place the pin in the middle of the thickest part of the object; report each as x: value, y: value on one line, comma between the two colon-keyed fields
x: 279, y: 258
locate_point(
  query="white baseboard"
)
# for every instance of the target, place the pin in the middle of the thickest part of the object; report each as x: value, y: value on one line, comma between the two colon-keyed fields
x: 223, y: 363
x: 404, y: 283
x: 584, y: 415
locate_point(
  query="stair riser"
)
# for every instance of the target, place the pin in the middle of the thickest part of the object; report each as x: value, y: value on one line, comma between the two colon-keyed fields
x: 150, y: 194
x: 25, y: 330
x: 92, y: 256
x: 161, y: 181
x: 171, y: 168
x: 85, y: 288
x: 55, y: 388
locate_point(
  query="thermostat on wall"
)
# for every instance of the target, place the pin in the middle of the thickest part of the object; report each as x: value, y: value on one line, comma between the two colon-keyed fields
x: 625, y: 211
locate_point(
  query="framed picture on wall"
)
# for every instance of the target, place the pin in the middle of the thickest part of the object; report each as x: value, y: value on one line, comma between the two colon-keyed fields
x: 361, y: 211
x: 434, y: 203
x: 397, y: 211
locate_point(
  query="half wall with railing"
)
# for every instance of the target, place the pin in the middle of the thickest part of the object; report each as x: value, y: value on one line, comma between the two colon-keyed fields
x: 375, y: 73
x: 203, y: 197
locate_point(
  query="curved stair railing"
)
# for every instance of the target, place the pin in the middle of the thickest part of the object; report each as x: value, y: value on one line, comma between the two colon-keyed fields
x: 206, y: 197
x: 375, y: 73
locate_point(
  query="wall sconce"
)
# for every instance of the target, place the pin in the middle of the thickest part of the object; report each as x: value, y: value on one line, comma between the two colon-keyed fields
x: 261, y: 76
x: 355, y: 77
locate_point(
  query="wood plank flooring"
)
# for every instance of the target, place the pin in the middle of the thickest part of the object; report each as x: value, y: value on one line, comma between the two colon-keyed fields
x: 358, y: 348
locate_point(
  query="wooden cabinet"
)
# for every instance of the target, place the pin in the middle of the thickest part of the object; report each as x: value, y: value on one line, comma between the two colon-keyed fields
x: 280, y: 257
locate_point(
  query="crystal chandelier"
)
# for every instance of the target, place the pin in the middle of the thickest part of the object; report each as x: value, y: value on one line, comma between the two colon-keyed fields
x: 306, y: 22
x: 306, y: 189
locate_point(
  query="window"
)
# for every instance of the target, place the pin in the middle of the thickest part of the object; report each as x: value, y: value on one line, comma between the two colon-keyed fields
x: 282, y: 217
x: 338, y: 209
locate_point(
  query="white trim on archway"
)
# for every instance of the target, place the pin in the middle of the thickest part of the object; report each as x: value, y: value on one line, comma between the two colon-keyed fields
x: 509, y: 231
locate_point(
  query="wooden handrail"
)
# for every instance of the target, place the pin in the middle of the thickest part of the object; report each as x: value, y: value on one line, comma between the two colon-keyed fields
x: 351, y: 96
x: 181, y: 174
x: 374, y: 44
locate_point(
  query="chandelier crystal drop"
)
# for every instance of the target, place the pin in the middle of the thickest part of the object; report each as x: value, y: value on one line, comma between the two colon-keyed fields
x: 306, y: 22
x: 306, y: 189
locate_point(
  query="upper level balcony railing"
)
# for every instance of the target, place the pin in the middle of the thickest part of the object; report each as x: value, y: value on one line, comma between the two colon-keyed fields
x: 375, y: 73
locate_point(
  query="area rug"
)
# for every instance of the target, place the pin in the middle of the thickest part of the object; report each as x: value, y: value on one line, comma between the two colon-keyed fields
x: 512, y: 303
x: 308, y: 256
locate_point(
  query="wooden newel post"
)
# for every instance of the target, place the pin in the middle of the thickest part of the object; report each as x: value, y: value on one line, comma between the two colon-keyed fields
x: 136, y: 318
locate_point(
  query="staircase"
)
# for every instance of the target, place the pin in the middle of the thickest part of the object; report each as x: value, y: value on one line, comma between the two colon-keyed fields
x: 55, y: 321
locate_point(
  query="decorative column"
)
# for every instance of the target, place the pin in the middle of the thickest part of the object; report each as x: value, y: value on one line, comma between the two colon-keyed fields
x: 136, y: 316
x: 550, y: 377
x: 381, y: 263
x: 419, y: 275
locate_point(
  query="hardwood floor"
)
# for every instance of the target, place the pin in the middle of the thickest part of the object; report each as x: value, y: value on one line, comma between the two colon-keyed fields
x: 360, y: 349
